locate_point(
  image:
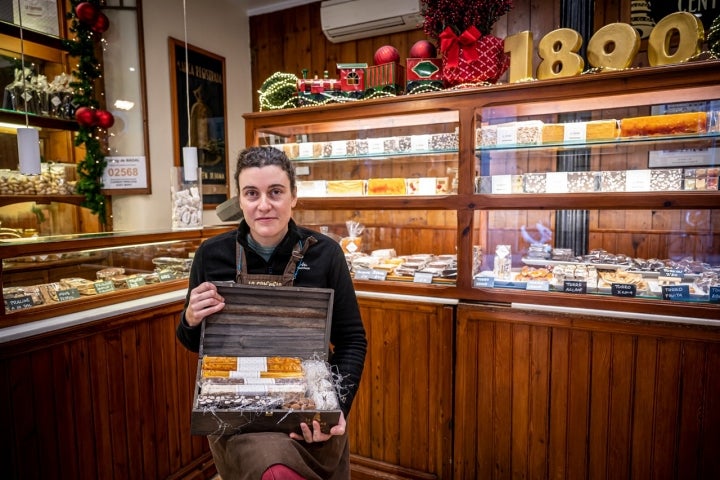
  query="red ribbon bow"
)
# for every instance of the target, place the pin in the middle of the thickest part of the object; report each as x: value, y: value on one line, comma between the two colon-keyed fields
x: 450, y: 45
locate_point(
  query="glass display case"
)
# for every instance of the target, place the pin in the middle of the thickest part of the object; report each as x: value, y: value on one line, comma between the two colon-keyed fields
x: 35, y: 76
x: 403, y: 155
x: 43, y: 277
x: 579, y: 151
x: 596, y: 192
x: 395, y: 155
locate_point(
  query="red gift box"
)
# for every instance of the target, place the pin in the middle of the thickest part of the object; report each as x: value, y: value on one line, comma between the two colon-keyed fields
x: 471, y: 57
x: 423, y: 69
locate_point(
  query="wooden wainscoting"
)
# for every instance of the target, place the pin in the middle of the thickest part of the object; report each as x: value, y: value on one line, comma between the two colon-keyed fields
x: 401, y: 420
x: 107, y: 400
x: 541, y: 395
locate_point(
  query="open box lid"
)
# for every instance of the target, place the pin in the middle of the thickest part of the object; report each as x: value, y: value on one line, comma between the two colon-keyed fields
x: 262, y: 321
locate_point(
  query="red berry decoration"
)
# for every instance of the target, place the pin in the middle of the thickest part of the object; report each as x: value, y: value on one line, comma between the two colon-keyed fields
x: 105, y: 119
x: 102, y: 23
x: 86, y: 116
x: 423, y: 49
x: 86, y: 12
x: 386, y: 54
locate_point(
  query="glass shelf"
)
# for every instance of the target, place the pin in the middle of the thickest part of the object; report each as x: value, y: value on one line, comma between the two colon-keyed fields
x: 705, y: 140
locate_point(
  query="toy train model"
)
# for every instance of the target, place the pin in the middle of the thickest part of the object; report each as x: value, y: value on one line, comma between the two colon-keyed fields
x: 358, y: 81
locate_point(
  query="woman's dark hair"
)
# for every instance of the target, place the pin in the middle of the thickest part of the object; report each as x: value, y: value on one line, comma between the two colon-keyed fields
x: 262, y: 157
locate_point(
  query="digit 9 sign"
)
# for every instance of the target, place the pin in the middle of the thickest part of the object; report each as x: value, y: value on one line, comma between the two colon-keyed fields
x: 613, y: 47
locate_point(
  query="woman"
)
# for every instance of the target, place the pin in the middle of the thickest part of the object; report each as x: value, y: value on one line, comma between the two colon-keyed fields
x: 261, y: 251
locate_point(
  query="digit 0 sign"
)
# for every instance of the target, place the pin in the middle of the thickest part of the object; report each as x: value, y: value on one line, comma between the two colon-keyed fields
x: 613, y: 47
x: 690, y: 30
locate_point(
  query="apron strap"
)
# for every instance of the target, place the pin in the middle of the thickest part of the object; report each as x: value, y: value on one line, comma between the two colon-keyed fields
x: 291, y: 269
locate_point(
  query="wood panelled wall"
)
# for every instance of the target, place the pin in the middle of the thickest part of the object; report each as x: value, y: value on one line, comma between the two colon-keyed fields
x: 400, y: 426
x: 292, y: 40
x: 108, y: 400
x: 547, y: 396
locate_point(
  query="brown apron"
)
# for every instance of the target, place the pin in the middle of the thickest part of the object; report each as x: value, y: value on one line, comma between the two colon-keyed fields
x: 246, y: 456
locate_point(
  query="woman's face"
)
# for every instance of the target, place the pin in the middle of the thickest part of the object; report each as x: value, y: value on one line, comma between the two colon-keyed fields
x: 267, y: 202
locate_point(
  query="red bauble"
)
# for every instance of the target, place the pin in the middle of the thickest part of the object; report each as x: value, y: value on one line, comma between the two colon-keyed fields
x: 105, y: 119
x: 102, y: 23
x: 86, y: 116
x: 86, y: 12
x: 423, y: 49
x: 386, y: 54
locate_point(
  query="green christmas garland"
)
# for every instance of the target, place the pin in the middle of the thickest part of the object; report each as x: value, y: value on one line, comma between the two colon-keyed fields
x: 278, y: 91
x: 713, y: 37
x: 90, y: 170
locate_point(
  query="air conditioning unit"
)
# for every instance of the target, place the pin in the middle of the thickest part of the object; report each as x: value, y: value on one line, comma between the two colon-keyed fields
x: 344, y: 20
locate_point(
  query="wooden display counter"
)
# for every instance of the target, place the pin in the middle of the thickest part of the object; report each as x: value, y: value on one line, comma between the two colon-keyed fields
x: 107, y: 393
x: 450, y: 390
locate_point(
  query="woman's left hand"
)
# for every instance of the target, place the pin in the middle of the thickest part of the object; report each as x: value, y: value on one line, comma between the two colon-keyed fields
x: 316, y: 435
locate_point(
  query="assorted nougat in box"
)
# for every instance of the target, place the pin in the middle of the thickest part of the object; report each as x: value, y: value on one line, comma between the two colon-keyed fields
x: 262, y: 364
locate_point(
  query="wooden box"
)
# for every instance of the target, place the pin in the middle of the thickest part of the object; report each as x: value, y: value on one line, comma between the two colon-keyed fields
x: 260, y: 321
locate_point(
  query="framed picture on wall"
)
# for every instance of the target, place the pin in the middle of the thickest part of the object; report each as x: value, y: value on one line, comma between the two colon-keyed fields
x: 199, y: 115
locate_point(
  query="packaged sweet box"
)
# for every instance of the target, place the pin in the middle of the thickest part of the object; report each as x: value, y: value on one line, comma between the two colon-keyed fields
x: 262, y: 362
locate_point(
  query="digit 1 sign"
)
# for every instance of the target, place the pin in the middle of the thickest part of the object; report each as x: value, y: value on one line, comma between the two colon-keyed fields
x: 613, y: 47
x: 690, y: 30
x: 519, y: 47
x: 558, y: 50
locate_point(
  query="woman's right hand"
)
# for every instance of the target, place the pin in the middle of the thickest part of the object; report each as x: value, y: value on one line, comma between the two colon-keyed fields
x: 204, y: 301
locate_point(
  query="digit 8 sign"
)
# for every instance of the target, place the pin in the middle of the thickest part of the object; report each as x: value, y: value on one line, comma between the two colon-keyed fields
x: 558, y: 50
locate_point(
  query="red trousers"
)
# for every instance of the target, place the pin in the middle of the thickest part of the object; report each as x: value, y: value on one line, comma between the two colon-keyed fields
x: 281, y: 472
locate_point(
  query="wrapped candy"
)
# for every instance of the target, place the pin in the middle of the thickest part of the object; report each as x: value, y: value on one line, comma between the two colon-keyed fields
x: 353, y: 242
x: 187, y: 208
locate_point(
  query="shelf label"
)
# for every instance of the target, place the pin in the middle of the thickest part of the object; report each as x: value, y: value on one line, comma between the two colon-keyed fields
x: 378, y: 275
x: 422, y: 277
x: 502, y: 184
x: 507, y: 135
x: 362, y: 274
x: 376, y: 145
x: 68, y: 294
x: 538, y: 285
x: 574, y: 286
x: 683, y: 158
x: 637, y: 181
x: 715, y: 294
x: 575, y: 131
x: 676, y: 292
x: 420, y: 143
x: 135, y: 282
x: 339, y: 148
x: 484, y: 282
x: 556, y: 182
x: 18, y: 303
x: 123, y: 173
x: 104, y: 287
x: 166, y: 275
x: 370, y: 274
x: 305, y: 150
x: 672, y: 273
x: 623, y: 290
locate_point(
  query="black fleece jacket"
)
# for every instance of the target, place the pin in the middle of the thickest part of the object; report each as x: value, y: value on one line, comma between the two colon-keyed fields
x: 323, y: 266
